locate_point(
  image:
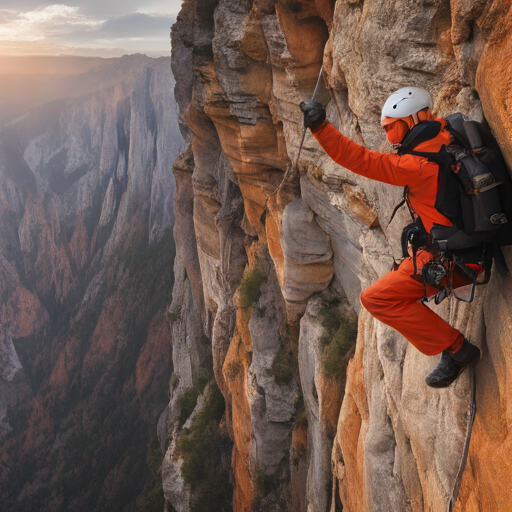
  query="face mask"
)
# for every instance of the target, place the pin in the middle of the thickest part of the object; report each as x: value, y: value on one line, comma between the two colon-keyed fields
x: 396, y: 131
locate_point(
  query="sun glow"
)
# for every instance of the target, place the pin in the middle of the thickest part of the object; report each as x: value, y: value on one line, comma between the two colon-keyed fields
x: 79, y: 30
x: 42, y: 23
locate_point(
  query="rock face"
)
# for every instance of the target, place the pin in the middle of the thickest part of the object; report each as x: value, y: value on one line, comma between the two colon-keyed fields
x: 273, y: 259
x: 86, y: 255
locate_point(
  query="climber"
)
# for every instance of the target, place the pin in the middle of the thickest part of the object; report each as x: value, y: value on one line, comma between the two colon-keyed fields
x: 396, y: 298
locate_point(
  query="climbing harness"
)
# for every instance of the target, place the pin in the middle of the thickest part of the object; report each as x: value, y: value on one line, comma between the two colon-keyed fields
x: 469, y: 429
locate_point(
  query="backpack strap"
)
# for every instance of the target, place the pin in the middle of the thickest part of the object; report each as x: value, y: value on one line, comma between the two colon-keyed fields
x: 447, y: 198
x: 401, y: 203
x: 455, y: 125
x: 500, y: 260
x: 427, y: 130
x: 441, y: 158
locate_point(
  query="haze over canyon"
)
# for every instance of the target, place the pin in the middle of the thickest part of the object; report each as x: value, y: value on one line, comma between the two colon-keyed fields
x: 86, y: 218
x: 180, y: 317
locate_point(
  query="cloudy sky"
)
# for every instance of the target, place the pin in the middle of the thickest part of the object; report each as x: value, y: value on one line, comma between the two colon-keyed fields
x: 105, y: 28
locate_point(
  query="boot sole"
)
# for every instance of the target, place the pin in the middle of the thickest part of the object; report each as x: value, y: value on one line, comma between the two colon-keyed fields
x: 444, y: 383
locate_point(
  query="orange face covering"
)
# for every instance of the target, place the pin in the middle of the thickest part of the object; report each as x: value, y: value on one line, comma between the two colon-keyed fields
x: 396, y: 131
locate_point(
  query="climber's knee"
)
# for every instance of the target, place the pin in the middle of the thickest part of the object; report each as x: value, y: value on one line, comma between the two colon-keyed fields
x: 380, y: 298
x: 367, y: 300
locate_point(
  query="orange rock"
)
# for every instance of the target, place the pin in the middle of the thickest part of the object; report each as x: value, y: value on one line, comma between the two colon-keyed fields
x: 235, y: 370
x: 348, y: 449
x: 325, y: 10
x: 486, y: 480
x: 253, y: 40
x: 300, y: 439
x: 494, y: 84
x: 444, y: 43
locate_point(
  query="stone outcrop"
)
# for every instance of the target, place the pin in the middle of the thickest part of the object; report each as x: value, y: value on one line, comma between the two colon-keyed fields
x: 278, y: 251
x: 86, y: 254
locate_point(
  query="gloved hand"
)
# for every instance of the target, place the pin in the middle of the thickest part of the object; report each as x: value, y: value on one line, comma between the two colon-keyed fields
x: 314, y: 114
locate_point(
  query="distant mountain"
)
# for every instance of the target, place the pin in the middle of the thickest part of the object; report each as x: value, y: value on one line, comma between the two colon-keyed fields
x: 86, y: 272
x: 27, y: 82
x: 48, y: 64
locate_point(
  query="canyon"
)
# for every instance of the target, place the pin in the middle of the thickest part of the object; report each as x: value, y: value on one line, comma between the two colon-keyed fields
x: 86, y: 272
x: 326, y: 409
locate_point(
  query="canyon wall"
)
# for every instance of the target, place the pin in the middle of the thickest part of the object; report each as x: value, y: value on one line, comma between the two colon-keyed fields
x: 86, y: 257
x: 271, y: 260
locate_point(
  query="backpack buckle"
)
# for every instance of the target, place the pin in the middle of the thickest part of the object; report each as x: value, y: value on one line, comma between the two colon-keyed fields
x: 460, y: 155
x: 499, y: 218
x: 456, y: 168
x: 457, y: 152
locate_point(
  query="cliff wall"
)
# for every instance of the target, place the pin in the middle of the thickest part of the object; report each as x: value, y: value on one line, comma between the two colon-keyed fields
x: 271, y: 261
x: 86, y: 254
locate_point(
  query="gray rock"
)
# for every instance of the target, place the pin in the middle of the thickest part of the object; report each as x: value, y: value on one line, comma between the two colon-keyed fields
x: 398, y: 443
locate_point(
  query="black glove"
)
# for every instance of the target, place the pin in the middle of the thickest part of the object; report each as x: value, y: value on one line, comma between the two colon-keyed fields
x: 314, y: 114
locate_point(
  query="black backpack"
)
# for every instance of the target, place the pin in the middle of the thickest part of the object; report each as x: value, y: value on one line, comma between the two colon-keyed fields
x: 474, y: 193
x: 475, y: 187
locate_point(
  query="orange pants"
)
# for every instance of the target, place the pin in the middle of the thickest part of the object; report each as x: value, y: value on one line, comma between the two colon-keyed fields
x: 395, y: 300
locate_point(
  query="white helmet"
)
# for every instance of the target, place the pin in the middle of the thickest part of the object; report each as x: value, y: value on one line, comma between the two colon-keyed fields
x: 405, y: 102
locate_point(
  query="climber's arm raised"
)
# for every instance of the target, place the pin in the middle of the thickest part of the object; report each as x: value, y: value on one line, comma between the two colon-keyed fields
x: 384, y: 167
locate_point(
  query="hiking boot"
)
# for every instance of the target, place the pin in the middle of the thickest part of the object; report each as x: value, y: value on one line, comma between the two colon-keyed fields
x: 466, y: 354
x: 451, y: 365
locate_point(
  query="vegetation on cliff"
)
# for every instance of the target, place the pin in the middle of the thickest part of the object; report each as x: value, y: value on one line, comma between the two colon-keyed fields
x: 203, y: 448
x: 188, y: 399
x: 339, y: 340
x: 250, y: 288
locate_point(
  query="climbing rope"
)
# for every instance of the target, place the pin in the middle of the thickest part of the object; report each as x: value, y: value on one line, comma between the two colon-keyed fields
x: 465, y: 450
x: 305, y: 129
x: 293, y: 171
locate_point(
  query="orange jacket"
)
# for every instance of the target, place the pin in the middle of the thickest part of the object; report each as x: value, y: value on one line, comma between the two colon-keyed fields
x: 416, y: 172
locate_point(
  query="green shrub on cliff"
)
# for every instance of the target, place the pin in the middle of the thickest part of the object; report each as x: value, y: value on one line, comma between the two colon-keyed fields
x: 250, y: 288
x: 205, y: 451
x: 263, y: 484
x: 188, y: 400
x: 187, y: 403
x: 338, y: 341
x: 282, y: 365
